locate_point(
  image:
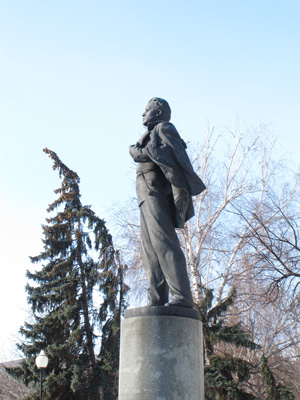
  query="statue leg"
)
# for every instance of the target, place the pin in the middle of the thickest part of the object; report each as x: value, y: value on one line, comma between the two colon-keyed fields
x: 163, y: 251
x: 158, y: 290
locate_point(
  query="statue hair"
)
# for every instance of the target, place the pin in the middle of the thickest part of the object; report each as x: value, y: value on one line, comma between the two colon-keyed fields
x: 162, y: 105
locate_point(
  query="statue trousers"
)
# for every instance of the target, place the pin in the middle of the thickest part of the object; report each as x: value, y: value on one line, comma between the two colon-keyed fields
x: 163, y: 259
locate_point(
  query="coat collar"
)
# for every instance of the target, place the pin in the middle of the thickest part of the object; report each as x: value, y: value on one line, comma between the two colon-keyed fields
x: 151, y: 125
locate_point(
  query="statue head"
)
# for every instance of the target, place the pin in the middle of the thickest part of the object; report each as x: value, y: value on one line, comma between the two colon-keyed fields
x: 157, y: 110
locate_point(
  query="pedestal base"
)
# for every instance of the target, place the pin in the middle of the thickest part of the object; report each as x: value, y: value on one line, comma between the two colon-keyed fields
x: 161, y: 355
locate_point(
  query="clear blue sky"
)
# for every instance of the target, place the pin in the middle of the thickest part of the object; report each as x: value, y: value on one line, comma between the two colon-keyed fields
x: 75, y: 77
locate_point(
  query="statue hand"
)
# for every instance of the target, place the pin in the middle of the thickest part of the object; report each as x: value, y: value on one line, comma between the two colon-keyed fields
x: 132, y: 150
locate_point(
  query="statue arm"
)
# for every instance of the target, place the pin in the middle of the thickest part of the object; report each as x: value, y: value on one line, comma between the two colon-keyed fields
x: 138, y: 153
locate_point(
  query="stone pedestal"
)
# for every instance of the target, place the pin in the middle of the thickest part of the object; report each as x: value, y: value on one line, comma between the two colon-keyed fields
x: 161, y: 354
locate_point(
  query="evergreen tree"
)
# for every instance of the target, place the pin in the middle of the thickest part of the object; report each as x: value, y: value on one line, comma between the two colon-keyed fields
x: 112, y: 308
x: 274, y: 391
x: 224, y: 373
x: 61, y: 298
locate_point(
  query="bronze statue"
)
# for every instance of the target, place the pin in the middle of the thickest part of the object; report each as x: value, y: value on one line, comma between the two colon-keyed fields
x: 165, y: 183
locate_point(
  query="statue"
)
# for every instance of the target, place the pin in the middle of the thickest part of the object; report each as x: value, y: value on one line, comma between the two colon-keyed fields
x: 165, y: 182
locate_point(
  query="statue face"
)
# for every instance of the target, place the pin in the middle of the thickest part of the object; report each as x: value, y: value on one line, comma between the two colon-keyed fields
x: 151, y: 114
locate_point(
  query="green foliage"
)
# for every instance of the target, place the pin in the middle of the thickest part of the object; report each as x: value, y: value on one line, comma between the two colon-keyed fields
x: 224, y: 374
x: 111, y: 310
x: 78, y: 258
x: 268, y: 378
x: 274, y: 391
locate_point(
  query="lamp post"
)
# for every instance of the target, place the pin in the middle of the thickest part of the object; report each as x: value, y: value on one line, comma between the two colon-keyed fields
x: 41, y: 362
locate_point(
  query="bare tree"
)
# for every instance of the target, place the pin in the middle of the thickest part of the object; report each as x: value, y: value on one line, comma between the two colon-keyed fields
x: 274, y: 236
x: 274, y: 326
x: 243, y: 235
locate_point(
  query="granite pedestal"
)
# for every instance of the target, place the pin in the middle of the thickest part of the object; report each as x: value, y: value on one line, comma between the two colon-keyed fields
x: 161, y: 354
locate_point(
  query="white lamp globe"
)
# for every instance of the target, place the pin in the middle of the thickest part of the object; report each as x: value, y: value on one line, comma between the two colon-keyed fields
x: 42, y: 360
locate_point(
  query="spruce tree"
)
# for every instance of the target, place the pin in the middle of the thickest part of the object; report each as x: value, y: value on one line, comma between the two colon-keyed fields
x: 224, y: 373
x: 111, y: 310
x: 78, y: 257
x: 274, y: 391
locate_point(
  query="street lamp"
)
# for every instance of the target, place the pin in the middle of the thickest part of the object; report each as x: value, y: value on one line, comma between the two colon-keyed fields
x: 41, y: 362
